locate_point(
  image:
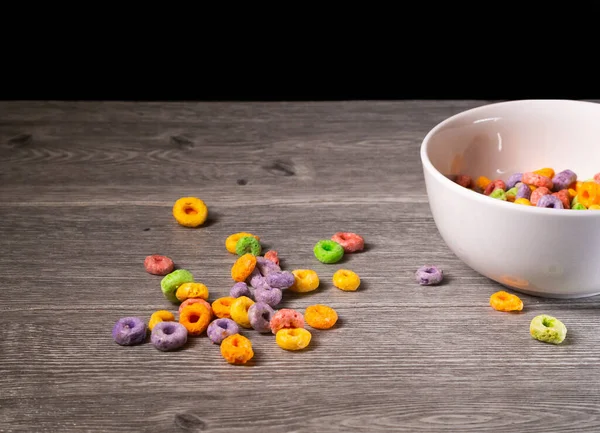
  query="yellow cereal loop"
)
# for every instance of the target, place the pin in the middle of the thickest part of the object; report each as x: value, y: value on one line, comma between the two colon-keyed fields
x: 594, y: 207
x: 233, y: 239
x: 190, y: 211
x: 191, y: 290
x: 572, y: 193
x: 239, y: 311
x: 305, y: 280
x: 160, y: 316
x: 548, y: 172
x: 523, y: 201
x: 293, y: 338
x: 346, y: 280
x: 482, y: 182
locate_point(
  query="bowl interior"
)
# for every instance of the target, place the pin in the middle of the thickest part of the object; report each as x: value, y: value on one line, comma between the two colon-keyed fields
x: 499, y: 139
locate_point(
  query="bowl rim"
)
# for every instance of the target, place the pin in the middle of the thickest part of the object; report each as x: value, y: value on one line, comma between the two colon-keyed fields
x: 485, y: 200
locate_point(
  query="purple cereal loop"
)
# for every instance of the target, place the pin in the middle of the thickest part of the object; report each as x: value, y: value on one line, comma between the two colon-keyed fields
x: 266, y: 266
x: 167, y: 336
x: 550, y: 201
x: 260, y: 314
x: 219, y: 329
x: 129, y: 331
x: 280, y: 280
x: 429, y: 275
x: 240, y: 289
x: 257, y: 281
x: 268, y: 296
x: 563, y: 179
x: 513, y: 180
x: 523, y: 191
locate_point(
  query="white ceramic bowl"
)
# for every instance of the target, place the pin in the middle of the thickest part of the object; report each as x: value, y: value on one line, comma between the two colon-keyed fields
x: 538, y: 251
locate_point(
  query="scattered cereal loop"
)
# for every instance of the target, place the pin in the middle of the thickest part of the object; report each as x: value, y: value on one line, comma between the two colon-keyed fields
x: 237, y: 349
x: 195, y: 318
x: 346, y: 280
x: 504, y: 301
x: 547, y: 329
x: 293, y: 338
x: 320, y: 316
x: 158, y: 265
x: 190, y: 211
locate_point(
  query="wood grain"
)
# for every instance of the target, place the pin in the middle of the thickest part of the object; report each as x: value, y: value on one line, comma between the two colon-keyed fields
x: 86, y: 191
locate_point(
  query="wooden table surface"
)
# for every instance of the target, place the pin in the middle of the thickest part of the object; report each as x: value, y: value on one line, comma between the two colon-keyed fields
x: 86, y: 194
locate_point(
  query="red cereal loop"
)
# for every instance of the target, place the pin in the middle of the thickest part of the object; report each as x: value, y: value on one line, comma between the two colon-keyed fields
x: 492, y: 186
x: 537, y: 180
x: 564, y: 197
x: 350, y: 242
x: 537, y: 194
x: 158, y: 265
x: 464, y: 180
x: 272, y: 256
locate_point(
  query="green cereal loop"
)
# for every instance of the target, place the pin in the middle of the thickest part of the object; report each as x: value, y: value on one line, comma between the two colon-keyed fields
x: 171, y: 282
x: 513, y: 191
x: 248, y: 244
x: 578, y: 206
x: 547, y: 329
x: 328, y: 251
x: 574, y: 201
x: 498, y: 194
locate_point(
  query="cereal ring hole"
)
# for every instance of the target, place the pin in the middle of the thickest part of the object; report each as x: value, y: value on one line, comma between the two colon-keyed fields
x: 193, y: 318
x: 222, y: 325
x: 168, y: 330
x: 585, y: 195
x: 547, y: 322
x: 235, y: 342
x: 190, y: 211
x: 326, y: 247
x: 266, y: 316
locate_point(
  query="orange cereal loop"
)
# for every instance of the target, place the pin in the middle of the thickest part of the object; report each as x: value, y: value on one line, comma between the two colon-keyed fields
x: 190, y: 211
x: 243, y: 267
x: 588, y: 193
x: 548, y: 172
x: 195, y: 318
x: 237, y: 349
x: 191, y: 290
x: 482, y: 182
x: 320, y: 316
x: 233, y: 239
x: 222, y: 307
x: 504, y: 301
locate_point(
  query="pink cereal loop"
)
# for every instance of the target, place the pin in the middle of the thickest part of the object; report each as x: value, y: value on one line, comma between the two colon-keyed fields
x: 194, y: 301
x: 286, y: 318
x: 350, y: 242
x: 597, y: 178
x: 537, y: 180
x: 538, y: 193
